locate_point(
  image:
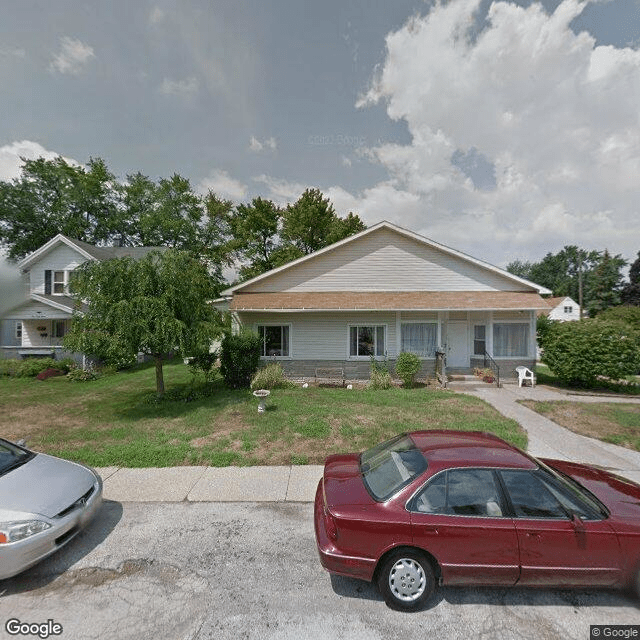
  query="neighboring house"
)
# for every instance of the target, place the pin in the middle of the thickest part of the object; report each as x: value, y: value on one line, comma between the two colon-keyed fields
x: 36, y: 326
x: 562, y: 308
x: 383, y: 291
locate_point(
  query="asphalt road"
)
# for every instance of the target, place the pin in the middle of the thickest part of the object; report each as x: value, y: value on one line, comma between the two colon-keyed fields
x: 250, y: 570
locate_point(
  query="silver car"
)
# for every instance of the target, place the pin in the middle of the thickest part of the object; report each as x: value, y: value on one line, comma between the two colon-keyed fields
x: 44, y: 503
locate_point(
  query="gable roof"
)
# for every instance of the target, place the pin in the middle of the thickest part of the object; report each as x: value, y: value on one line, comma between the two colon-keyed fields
x: 401, y: 231
x: 88, y: 251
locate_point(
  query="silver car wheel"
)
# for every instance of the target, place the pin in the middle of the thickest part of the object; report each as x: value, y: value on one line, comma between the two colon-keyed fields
x: 407, y: 580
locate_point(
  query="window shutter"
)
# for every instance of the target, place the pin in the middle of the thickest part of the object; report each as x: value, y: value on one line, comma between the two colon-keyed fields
x: 47, y: 282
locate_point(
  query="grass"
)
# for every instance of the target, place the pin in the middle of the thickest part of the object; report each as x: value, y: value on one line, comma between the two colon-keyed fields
x: 111, y: 421
x: 607, y: 421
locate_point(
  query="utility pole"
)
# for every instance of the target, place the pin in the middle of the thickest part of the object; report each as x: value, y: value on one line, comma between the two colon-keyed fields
x: 580, y: 281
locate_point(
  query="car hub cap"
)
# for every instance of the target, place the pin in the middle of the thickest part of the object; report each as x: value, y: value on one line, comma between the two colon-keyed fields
x: 407, y: 580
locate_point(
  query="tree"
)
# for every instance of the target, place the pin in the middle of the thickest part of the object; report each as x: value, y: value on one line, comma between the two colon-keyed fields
x: 53, y: 196
x: 156, y: 305
x: 90, y: 204
x: 630, y: 294
x: 264, y: 236
x: 605, y: 284
x: 571, y: 272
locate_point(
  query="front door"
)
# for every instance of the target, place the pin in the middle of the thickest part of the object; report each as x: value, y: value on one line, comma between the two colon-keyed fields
x: 457, y: 344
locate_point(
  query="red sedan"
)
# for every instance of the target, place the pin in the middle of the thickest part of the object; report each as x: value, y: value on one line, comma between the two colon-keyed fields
x: 467, y: 508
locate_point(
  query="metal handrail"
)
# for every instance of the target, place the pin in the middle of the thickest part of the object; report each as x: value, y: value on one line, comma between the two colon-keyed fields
x: 493, y: 366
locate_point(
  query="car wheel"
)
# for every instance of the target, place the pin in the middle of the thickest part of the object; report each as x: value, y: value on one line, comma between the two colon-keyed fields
x: 406, y: 579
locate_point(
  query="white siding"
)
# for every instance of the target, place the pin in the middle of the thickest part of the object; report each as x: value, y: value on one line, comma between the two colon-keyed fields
x: 62, y: 258
x: 37, y: 310
x: 324, y: 336
x: 559, y: 313
x: 385, y: 261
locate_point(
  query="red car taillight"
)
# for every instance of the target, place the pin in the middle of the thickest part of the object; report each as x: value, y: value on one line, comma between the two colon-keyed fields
x: 330, y: 525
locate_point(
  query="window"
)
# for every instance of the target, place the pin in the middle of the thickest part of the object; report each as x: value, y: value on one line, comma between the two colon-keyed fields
x: 568, y: 309
x: 59, y: 328
x: 19, y: 330
x: 275, y: 340
x: 479, y: 340
x: 463, y: 492
x: 419, y: 338
x: 367, y: 341
x: 530, y: 497
x: 510, y: 339
x: 59, y: 282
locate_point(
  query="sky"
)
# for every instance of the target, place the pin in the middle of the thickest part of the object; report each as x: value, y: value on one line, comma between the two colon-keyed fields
x: 505, y: 130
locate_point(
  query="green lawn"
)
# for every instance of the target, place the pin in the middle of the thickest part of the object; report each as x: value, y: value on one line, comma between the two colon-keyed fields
x: 114, y: 420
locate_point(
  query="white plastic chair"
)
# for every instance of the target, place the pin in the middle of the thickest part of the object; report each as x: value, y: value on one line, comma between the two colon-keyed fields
x: 525, y: 374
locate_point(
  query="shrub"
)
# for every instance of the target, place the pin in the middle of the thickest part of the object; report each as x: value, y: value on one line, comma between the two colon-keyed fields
x: 271, y: 377
x: 49, y: 373
x: 578, y: 353
x: 239, y: 359
x: 78, y: 374
x: 380, y: 375
x: 205, y: 364
x: 407, y: 367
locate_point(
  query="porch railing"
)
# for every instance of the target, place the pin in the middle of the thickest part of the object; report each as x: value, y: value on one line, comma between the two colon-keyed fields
x: 490, y: 363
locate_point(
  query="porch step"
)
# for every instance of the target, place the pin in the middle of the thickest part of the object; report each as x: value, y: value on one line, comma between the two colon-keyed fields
x: 462, y: 377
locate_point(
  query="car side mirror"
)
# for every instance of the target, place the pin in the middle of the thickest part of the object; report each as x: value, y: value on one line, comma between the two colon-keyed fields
x: 22, y: 442
x: 577, y: 521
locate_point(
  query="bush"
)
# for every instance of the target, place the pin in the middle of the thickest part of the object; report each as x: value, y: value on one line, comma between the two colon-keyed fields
x: 78, y: 374
x: 49, y: 373
x: 407, y: 367
x: 380, y: 375
x: 31, y: 367
x: 205, y: 364
x: 271, y: 377
x: 581, y: 353
x: 239, y: 359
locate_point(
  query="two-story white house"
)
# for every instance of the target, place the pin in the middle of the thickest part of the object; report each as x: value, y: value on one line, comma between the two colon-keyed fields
x: 37, y: 325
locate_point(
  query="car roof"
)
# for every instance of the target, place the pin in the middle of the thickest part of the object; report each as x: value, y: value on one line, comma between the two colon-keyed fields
x: 444, y: 448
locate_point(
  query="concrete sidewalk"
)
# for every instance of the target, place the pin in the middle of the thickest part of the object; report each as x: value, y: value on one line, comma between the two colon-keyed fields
x: 298, y: 483
x: 548, y: 439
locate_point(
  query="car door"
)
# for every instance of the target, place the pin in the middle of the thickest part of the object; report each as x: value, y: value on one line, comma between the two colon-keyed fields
x: 558, y: 548
x: 459, y: 516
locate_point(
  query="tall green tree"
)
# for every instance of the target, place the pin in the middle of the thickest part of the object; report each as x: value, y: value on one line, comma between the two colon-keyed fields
x: 265, y: 236
x: 53, y: 196
x: 605, y: 283
x: 630, y: 294
x: 156, y: 305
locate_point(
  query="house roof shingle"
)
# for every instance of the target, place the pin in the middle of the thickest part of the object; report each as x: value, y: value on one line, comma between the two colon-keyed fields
x: 387, y: 301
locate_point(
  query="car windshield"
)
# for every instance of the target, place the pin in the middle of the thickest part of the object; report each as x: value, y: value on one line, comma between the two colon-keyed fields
x: 390, y: 466
x: 12, y: 456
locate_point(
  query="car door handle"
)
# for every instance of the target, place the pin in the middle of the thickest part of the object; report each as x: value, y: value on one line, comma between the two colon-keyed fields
x: 533, y: 534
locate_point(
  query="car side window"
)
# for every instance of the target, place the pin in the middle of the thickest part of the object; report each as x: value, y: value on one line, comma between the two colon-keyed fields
x: 530, y: 497
x: 467, y: 492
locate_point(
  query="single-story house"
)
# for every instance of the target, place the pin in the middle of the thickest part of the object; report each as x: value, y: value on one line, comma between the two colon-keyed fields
x: 37, y: 326
x: 383, y: 291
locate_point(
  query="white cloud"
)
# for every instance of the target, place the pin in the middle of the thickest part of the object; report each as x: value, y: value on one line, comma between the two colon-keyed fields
x: 282, y: 192
x: 12, y: 52
x: 73, y: 56
x: 186, y: 88
x: 11, y: 157
x: 269, y: 144
x: 556, y: 116
x: 223, y: 185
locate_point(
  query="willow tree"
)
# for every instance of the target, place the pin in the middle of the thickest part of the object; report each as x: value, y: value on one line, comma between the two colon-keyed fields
x: 157, y: 305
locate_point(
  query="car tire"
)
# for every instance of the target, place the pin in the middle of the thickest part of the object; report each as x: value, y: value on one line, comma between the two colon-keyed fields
x: 406, y: 579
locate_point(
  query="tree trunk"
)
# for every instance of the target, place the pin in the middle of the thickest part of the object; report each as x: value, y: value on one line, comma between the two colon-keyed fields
x: 159, y: 377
